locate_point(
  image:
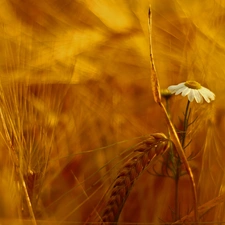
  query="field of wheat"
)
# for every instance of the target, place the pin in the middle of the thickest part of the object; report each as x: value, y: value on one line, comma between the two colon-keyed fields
x: 85, y: 137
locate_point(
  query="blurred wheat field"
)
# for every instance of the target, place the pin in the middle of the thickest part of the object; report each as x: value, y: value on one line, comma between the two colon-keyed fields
x: 76, y: 99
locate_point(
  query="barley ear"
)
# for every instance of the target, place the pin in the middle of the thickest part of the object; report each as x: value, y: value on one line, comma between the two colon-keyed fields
x: 144, y: 154
x: 154, y: 79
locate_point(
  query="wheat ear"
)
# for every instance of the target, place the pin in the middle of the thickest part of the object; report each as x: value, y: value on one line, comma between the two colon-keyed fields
x: 145, y: 153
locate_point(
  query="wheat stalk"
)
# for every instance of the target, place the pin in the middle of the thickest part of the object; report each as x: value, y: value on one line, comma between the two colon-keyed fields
x: 145, y: 153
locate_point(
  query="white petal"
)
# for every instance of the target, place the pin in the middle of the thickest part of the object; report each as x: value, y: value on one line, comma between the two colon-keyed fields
x: 198, y: 97
x: 207, y: 94
x: 212, y: 96
x: 174, y: 88
x: 180, y: 85
x: 186, y: 91
x: 180, y: 90
x: 191, y: 96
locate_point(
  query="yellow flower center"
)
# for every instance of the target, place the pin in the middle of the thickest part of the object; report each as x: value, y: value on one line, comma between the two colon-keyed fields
x: 192, y: 84
x: 166, y: 93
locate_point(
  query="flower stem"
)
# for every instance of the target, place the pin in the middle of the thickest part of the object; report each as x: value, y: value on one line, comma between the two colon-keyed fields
x: 176, y: 170
x: 178, y: 166
x: 186, y: 117
x: 183, y: 158
x: 177, y: 178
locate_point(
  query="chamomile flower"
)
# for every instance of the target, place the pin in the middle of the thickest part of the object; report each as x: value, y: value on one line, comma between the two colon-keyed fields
x: 193, y: 90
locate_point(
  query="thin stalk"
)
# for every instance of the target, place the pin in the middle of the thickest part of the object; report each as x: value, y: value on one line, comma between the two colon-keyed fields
x: 167, y: 107
x: 177, y: 175
x: 27, y: 198
x: 177, y: 178
x: 176, y: 171
x: 183, y: 158
x: 186, y: 116
x: 173, y: 133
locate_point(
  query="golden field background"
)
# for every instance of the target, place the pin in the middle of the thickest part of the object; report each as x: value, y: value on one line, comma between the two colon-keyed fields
x: 76, y: 93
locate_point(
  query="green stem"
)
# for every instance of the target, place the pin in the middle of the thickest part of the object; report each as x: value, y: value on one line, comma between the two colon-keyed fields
x: 167, y: 106
x: 176, y: 170
x: 177, y: 175
x: 177, y: 163
x: 183, y: 158
x: 185, y: 124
